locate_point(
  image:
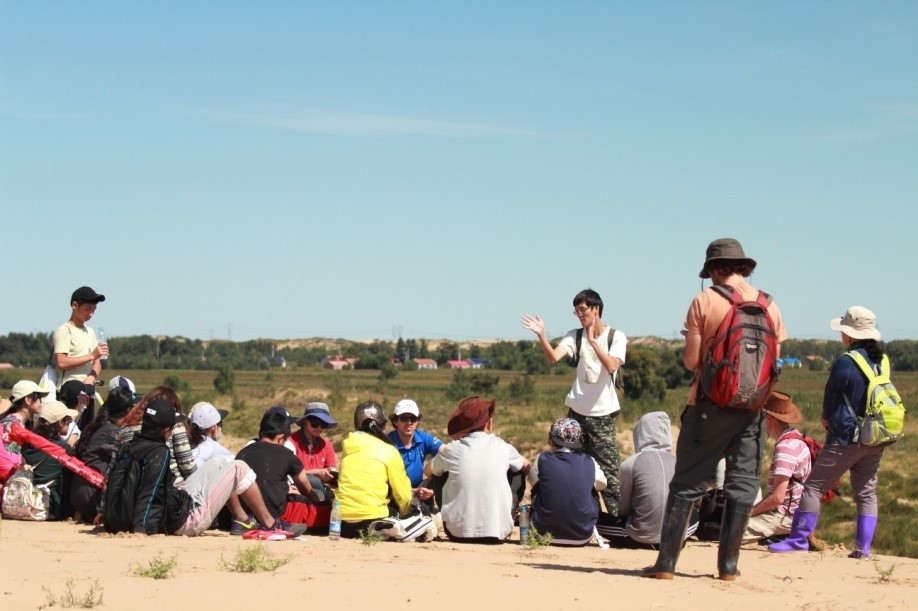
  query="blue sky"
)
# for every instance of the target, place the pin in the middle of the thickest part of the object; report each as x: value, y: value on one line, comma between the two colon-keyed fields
x: 319, y: 169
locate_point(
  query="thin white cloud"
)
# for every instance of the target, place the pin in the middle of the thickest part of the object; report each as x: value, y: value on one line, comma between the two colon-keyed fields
x: 339, y: 123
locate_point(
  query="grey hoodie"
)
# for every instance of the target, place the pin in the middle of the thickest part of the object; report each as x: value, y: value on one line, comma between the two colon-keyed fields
x: 644, y: 477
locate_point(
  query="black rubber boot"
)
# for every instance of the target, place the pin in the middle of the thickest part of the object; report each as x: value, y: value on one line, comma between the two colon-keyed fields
x: 672, y: 538
x: 736, y: 517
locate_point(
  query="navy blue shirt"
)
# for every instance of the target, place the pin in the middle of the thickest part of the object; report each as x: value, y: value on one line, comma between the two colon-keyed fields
x: 845, y: 380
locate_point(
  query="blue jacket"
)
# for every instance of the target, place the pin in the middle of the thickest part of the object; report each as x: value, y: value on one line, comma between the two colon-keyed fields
x: 845, y: 380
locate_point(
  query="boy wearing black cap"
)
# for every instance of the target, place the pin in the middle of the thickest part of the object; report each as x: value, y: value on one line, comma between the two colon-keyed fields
x: 77, y: 352
x: 188, y: 509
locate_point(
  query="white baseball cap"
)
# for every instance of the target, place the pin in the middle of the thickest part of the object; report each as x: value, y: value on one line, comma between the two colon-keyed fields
x: 204, y: 415
x: 406, y: 406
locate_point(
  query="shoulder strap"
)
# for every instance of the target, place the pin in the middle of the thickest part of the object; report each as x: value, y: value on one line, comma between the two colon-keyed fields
x: 864, y: 365
x: 579, y: 338
x: 727, y: 292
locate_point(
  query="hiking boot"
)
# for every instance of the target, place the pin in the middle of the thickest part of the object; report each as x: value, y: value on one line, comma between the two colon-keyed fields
x: 240, y: 527
x: 672, y: 538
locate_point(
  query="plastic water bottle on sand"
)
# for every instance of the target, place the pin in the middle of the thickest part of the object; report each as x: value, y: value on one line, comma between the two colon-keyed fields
x: 334, y: 523
x: 524, y: 524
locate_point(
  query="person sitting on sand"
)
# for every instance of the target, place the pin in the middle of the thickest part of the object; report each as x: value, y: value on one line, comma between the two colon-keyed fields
x: 53, y: 420
x: 415, y: 446
x: 274, y: 464
x: 789, y: 468
x: 161, y: 507
x: 95, y: 448
x: 565, y: 483
x: 371, y: 474
x: 644, y: 479
x: 181, y: 461
x: 206, y: 430
x: 478, y: 499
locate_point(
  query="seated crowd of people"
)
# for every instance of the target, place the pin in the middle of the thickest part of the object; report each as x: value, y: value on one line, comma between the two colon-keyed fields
x: 286, y: 478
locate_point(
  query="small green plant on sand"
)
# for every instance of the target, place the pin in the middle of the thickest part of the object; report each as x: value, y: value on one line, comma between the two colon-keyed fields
x: 71, y: 600
x: 255, y: 559
x: 158, y: 568
x: 370, y: 538
x: 884, y: 575
x: 538, y: 541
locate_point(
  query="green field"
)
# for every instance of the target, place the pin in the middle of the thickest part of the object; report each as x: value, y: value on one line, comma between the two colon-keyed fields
x: 526, y: 425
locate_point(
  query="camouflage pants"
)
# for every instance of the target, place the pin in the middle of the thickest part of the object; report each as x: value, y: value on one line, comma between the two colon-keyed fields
x: 600, y: 441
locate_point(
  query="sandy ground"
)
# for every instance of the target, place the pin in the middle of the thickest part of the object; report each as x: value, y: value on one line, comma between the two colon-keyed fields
x: 352, y: 575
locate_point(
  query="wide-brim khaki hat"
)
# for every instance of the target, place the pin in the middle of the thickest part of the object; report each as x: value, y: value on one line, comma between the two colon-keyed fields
x: 781, y: 406
x: 857, y: 323
x: 724, y: 249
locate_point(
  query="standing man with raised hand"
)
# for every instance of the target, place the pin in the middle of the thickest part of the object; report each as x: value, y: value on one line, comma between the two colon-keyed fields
x: 592, y: 400
x: 709, y: 431
x: 77, y: 352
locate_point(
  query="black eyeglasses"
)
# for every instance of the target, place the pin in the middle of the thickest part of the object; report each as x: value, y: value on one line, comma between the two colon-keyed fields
x: 319, y: 424
x: 408, y: 418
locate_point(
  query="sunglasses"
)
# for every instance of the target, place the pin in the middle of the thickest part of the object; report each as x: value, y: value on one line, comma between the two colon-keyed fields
x: 319, y: 424
x: 408, y: 418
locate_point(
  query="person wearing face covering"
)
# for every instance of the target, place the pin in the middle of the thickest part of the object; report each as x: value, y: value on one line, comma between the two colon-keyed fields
x: 206, y: 431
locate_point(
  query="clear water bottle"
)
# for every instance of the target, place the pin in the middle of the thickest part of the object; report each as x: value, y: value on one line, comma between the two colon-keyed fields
x: 100, y: 337
x: 334, y: 523
x: 524, y: 524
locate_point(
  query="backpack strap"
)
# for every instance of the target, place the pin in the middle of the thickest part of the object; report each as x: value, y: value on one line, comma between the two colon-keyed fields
x: 865, y: 367
x: 579, y: 338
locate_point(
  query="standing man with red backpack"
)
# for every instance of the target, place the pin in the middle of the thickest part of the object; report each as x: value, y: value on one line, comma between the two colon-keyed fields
x: 732, y: 345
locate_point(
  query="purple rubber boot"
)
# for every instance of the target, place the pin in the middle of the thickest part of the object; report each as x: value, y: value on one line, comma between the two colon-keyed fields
x: 802, y: 527
x: 866, y: 526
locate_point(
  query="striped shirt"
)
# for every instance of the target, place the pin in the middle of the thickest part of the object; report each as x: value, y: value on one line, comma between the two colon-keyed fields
x: 792, y: 459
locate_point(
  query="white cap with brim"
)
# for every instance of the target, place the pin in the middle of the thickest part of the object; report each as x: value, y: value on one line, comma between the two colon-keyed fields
x: 406, y: 406
x: 24, y: 388
x: 204, y: 415
x: 857, y: 323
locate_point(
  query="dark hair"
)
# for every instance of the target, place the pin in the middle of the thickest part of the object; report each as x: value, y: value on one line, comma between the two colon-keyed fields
x: 134, y: 416
x: 372, y: 427
x: 115, y: 407
x: 590, y: 297
x: 728, y: 267
x: 49, y: 431
x: 273, y: 424
x: 873, y: 348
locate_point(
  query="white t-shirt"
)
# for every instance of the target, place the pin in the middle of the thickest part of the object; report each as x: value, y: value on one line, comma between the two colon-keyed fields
x: 73, y: 341
x: 476, y: 497
x: 207, y: 449
x: 592, y: 393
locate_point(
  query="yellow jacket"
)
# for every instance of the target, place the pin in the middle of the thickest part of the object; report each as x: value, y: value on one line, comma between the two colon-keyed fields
x: 369, y: 469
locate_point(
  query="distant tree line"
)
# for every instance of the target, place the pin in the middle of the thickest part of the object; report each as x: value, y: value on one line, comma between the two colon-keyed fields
x: 649, y: 370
